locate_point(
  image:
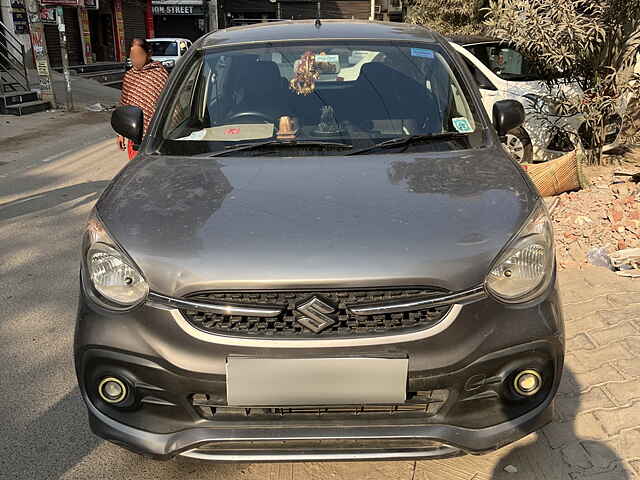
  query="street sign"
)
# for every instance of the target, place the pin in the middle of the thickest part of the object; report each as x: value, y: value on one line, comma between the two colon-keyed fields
x: 176, y: 2
x: 178, y: 10
x: 19, y: 13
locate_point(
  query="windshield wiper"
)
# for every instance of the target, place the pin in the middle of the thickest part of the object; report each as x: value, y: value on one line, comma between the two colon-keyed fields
x: 409, y: 139
x: 279, y: 143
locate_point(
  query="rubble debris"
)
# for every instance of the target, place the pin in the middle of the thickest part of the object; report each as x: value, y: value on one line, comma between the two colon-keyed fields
x: 511, y: 469
x: 99, y: 107
x: 627, y: 262
x: 595, y: 223
x: 599, y: 257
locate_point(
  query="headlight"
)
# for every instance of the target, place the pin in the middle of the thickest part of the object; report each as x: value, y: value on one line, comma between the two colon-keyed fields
x: 169, y: 63
x: 114, y: 278
x: 525, y: 268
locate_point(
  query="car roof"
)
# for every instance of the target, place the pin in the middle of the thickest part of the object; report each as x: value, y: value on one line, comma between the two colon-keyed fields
x: 472, y: 39
x: 328, y: 30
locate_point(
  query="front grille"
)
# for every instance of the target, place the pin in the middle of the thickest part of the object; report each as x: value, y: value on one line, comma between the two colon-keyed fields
x: 286, y: 325
x: 421, y: 404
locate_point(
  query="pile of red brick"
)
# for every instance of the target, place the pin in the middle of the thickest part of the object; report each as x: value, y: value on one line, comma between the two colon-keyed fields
x: 607, y: 214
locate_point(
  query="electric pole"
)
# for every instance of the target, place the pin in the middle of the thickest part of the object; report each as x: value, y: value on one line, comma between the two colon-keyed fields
x: 65, y: 57
x: 213, y: 15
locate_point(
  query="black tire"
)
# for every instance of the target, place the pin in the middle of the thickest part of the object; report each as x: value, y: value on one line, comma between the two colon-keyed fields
x: 518, y: 144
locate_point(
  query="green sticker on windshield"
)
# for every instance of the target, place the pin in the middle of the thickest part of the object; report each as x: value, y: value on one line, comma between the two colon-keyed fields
x: 462, y: 125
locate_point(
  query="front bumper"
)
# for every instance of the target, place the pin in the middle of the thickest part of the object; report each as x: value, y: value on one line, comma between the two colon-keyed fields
x: 473, y: 360
x: 304, y: 443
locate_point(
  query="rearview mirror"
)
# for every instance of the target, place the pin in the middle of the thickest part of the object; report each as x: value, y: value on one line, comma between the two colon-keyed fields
x: 128, y: 121
x: 507, y: 115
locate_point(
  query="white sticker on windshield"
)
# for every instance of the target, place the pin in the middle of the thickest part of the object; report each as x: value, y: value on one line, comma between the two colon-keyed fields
x: 461, y: 124
x: 328, y: 63
x: 197, y: 135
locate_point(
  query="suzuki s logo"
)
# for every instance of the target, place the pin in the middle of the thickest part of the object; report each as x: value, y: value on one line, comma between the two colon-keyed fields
x: 313, y: 314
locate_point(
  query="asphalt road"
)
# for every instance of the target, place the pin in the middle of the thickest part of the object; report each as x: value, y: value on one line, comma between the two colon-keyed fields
x: 46, y: 193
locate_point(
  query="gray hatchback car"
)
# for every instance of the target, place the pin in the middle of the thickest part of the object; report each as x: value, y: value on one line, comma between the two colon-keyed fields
x: 320, y: 252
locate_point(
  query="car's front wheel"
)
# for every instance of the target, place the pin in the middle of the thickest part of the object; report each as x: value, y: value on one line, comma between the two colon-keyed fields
x: 518, y: 144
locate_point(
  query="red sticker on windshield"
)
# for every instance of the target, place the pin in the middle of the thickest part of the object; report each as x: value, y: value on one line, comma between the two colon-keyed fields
x: 232, y: 131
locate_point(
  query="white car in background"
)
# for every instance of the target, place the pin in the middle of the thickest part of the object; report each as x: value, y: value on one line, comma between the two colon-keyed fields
x: 169, y: 51
x: 501, y: 73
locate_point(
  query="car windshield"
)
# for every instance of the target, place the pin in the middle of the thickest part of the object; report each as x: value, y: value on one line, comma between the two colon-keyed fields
x: 325, y: 97
x: 506, y: 62
x: 164, y: 48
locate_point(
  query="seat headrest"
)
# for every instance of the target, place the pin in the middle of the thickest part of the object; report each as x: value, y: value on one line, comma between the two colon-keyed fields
x: 265, y: 71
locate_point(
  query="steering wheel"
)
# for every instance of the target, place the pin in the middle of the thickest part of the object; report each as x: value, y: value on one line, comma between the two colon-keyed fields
x: 245, y: 115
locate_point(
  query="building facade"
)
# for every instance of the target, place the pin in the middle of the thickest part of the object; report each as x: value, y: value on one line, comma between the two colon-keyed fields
x: 13, y: 14
x: 180, y: 18
x: 242, y: 12
x: 100, y: 31
x: 97, y: 30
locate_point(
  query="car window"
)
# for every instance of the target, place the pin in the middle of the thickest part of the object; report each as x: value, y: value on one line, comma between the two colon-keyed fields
x: 354, y: 94
x: 164, y: 48
x: 181, y: 110
x: 506, y: 62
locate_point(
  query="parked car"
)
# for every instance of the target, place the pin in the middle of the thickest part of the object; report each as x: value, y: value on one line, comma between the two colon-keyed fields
x: 502, y: 72
x: 169, y: 51
x: 299, y: 268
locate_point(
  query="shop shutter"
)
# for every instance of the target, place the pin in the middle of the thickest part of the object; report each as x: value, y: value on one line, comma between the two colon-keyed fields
x: 52, y: 38
x: 134, y: 24
x: 74, y: 43
x: 237, y: 7
x: 299, y: 10
x: 345, y: 9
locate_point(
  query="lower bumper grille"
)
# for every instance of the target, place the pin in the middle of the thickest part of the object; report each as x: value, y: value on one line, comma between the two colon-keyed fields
x: 422, y: 404
x: 287, y: 323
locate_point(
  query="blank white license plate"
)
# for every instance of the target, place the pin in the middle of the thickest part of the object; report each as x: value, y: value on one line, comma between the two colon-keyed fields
x: 315, y: 381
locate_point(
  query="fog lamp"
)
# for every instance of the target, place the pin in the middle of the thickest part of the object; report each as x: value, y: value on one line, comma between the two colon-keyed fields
x: 527, y: 382
x: 112, y: 390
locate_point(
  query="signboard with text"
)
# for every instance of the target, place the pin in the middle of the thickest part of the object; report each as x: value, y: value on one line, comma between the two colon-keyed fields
x: 178, y: 10
x: 64, y: 3
x: 120, y: 48
x: 85, y: 35
x: 48, y: 15
x: 176, y: 2
x: 20, y: 20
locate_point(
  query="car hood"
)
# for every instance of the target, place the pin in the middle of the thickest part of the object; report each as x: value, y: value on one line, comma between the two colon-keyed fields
x: 434, y: 219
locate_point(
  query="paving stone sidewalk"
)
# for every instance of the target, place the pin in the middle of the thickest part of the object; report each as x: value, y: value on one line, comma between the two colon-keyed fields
x: 596, y: 435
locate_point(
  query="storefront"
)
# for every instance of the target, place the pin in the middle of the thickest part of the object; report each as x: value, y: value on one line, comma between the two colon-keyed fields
x: 179, y: 18
x: 71, y: 20
x: 97, y: 30
x: 240, y: 12
x: 101, y: 27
